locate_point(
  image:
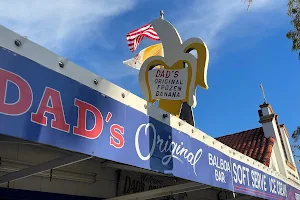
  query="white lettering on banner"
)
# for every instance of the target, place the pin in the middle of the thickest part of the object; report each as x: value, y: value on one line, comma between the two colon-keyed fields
x: 240, y: 174
x: 177, y: 151
x: 220, y: 164
x: 252, y: 178
x: 277, y: 187
x: 281, y: 189
x: 168, y: 84
x: 258, y: 180
x: 272, y: 184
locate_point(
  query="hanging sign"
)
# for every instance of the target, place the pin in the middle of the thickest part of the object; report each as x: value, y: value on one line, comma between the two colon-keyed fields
x: 168, y: 84
x: 182, y: 71
x: 134, y: 182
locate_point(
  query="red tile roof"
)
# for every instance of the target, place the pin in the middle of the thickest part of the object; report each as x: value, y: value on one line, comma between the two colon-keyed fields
x: 252, y: 143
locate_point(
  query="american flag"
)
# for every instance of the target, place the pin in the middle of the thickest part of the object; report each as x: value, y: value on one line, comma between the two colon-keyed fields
x: 136, y: 36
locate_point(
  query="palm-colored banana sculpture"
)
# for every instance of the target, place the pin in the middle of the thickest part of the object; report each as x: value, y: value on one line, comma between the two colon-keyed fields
x: 176, y: 57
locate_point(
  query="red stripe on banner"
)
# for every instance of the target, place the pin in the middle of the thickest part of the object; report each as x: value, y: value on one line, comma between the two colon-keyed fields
x: 253, y: 191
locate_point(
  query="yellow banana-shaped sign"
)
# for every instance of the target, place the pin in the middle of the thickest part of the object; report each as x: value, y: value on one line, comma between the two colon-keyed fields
x: 176, y: 57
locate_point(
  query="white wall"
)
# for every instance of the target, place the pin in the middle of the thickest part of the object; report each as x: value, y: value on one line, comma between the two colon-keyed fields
x: 287, y: 145
x: 292, y: 174
x: 273, y: 163
x: 270, y: 130
x: 279, y: 158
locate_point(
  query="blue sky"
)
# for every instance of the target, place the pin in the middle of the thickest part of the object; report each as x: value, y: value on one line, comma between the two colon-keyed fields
x: 246, y: 48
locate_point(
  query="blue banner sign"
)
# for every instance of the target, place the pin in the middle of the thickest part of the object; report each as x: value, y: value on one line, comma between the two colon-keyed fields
x: 40, y: 105
x: 249, y: 180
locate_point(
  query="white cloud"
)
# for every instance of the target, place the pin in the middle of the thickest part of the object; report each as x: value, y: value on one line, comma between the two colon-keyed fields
x: 53, y: 23
x: 62, y: 26
x: 210, y: 20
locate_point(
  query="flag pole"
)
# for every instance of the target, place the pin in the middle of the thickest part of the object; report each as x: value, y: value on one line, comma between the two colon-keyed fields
x: 162, y: 14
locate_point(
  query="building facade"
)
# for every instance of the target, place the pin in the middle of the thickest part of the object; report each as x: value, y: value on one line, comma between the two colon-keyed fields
x: 268, y: 144
x: 68, y: 133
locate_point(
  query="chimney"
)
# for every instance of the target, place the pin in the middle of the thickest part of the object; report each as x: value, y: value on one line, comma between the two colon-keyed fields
x: 268, y: 119
x: 267, y: 116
